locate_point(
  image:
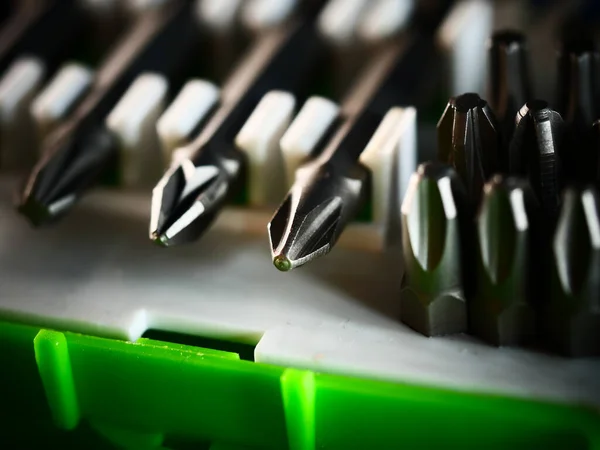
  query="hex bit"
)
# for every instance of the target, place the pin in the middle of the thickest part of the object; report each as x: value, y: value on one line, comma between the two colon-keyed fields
x: 436, y: 228
x: 508, y: 233
x: 534, y: 152
x: 571, y: 320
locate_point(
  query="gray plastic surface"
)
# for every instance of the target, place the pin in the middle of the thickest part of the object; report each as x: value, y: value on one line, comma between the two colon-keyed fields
x: 97, y: 273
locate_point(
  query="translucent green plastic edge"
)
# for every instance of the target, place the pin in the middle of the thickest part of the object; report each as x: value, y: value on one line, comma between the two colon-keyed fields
x: 150, y: 393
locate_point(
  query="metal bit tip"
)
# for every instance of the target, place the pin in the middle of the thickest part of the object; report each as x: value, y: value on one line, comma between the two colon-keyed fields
x: 185, y: 203
x: 468, y: 140
x: 282, y: 263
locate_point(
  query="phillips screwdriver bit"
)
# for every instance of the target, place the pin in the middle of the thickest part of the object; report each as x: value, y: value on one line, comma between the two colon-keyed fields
x: 46, y: 29
x: 469, y: 141
x: 534, y: 152
x: 579, y: 103
x: 436, y: 228
x: 191, y: 193
x: 500, y: 312
x: 571, y: 321
x: 509, y: 84
x: 78, y: 153
x: 329, y: 191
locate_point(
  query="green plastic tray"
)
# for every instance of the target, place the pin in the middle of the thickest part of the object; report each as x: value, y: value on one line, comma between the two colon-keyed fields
x: 66, y: 390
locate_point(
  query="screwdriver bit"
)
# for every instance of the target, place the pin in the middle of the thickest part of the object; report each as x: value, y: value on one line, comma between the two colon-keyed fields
x: 509, y: 81
x: 534, y: 152
x: 571, y: 321
x: 508, y: 234
x: 191, y: 193
x: 81, y: 150
x: 329, y: 191
x: 469, y: 141
x: 436, y: 220
x: 579, y: 100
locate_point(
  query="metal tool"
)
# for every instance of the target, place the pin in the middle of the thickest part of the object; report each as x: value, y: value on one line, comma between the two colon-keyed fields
x: 534, y: 152
x: 571, y: 320
x: 436, y: 231
x: 81, y: 150
x: 330, y: 190
x: 509, y: 83
x: 508, y: 263
x: 469, y: 140
x: 579, y: 103
x: 191, y: 193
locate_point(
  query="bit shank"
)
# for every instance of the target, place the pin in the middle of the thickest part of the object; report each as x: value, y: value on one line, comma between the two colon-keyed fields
x: 191, y: 194
x: 329, y: 191
x: 534, y: 152
x: 509, y: 82
x: 571, y: 321
x: 469, y: 141
x: 435, y: 230
x: 68, y: 167
x: 579, y: 96
x: 508, y: 233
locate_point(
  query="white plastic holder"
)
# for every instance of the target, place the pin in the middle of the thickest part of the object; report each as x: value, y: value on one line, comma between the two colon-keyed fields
x: 184, y: 115
x: 462, y: 38
x: 259, y: 140
x: 59, y: 96
x: 18, y: 87
x: 133, y: 122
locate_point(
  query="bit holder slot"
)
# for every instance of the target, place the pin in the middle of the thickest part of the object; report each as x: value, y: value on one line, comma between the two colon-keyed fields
x: 18, y: 87
x: 62, y: 93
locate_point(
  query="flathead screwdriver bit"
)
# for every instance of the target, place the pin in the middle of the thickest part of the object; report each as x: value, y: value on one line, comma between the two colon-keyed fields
x: 534, y: 152
x: 571, y: 320
x: 435, y: 239
x: 508, y: 234
x: 509, y: 83
x: 579, y: 102
x: 469, y: 141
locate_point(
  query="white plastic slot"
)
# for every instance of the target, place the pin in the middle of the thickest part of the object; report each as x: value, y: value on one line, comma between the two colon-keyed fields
x: 18, y: 87
x: 340, y: 19
x: 219, y: 15
x: 61, y: 94
x: 385, y: 18
x: 133, y: 121
x: 259, y: 140
x: 308, y: 128
x: 184, y: 114
x: 462, y: 37
x: 260, y: 15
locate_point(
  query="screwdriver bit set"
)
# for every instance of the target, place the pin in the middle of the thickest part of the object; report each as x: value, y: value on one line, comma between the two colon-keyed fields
x: 500, y: 240
x: 446, y: 247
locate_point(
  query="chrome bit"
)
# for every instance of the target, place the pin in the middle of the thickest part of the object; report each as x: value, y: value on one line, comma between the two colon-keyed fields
x: 469, y: 141
x: 579, y: 97
x: 571, y: 321
x: 534, y: 152
x: 192, y: 193
x: 78, y: 153
x: 328, y: 192
x: 509, y: 82
x: 435, y: 239
x: 508, y: 233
